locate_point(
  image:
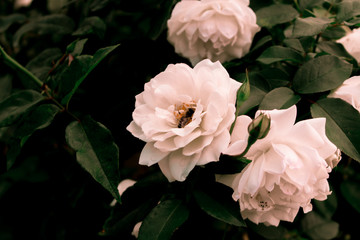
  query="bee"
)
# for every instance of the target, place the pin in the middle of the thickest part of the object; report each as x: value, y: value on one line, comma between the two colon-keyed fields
x: 184, y: 115
x: 186, y: 118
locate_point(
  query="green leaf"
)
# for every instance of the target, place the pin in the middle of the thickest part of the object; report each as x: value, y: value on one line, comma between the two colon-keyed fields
x: 335, y: 49
x: 342, y: 124
x: 75, y: 48
x: 319, y: 228
x: 79, y: 69
x: 242, y: 95
x: 96, y: 152
x: 262, y: 42
x: 279, y: 53
x: 91, y: 25
x: 275, y: 77
x: 295, y: 44
x: 321, y: 74
x: 348, y: 9
x: 163, y: 220
x: 55, y: 25
x: 220, y: 206
x: 39, y: 118
x: 275, y: 14
x: 14, y: 106
x: 41, y: 65
x: 279, y: 98
x: 258, y: 89
x: 351, y: 191
x: 310, y: 26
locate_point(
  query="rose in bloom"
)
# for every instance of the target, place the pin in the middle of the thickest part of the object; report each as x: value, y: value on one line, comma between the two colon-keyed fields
x: 349, y: 91
x: 215, y: 29
x: 184, y: 115
x: 351, y: 43
x: 288, y: 167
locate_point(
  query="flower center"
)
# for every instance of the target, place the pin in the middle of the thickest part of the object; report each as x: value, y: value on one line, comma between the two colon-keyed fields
x: 184, y: 113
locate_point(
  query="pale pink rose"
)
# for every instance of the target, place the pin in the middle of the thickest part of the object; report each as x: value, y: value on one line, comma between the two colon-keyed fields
x: 349, y: 91
x: 215, y: 29
x: 333, y: 160
x: 351, y: 43
x: 287, y: 168
x: 184, y: 115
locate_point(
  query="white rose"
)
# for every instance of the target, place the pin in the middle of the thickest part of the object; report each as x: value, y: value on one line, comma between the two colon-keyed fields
x: 287, y: 168
x: 351, y: 43
x: 349, y: 91
x: 184, y: 115
x: 215, y: 29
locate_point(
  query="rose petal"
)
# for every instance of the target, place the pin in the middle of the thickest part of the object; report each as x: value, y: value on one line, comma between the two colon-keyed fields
x: 151, y: 155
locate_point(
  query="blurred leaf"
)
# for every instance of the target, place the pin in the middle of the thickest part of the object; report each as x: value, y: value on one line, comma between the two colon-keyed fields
x: 342, y: 124
x: 159, y: 23
x: 348, y: 9
x: 39, y: 118
x: 310, y: 26
x: 268, y: 232
x: 308, y: 4
x: 317, y: 227
x: 307, y: 43
x: 279, y: 98
x: 279, y: 53
x: 55, y: 24
x: 91, y: 25
x: 96, y: 5
x: 163, y: 220
x: 75, y: 48
x: 220, y: 206
x: 321, y: 74
x: 96, y: 152
x: 14, y: 106
x: 327, y: 207
x: 5, y: 86
x: 351, y: 191
x: 79, y: 69
x: 7, y: 21
x: 275, y: 14
x: 334, y: 32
